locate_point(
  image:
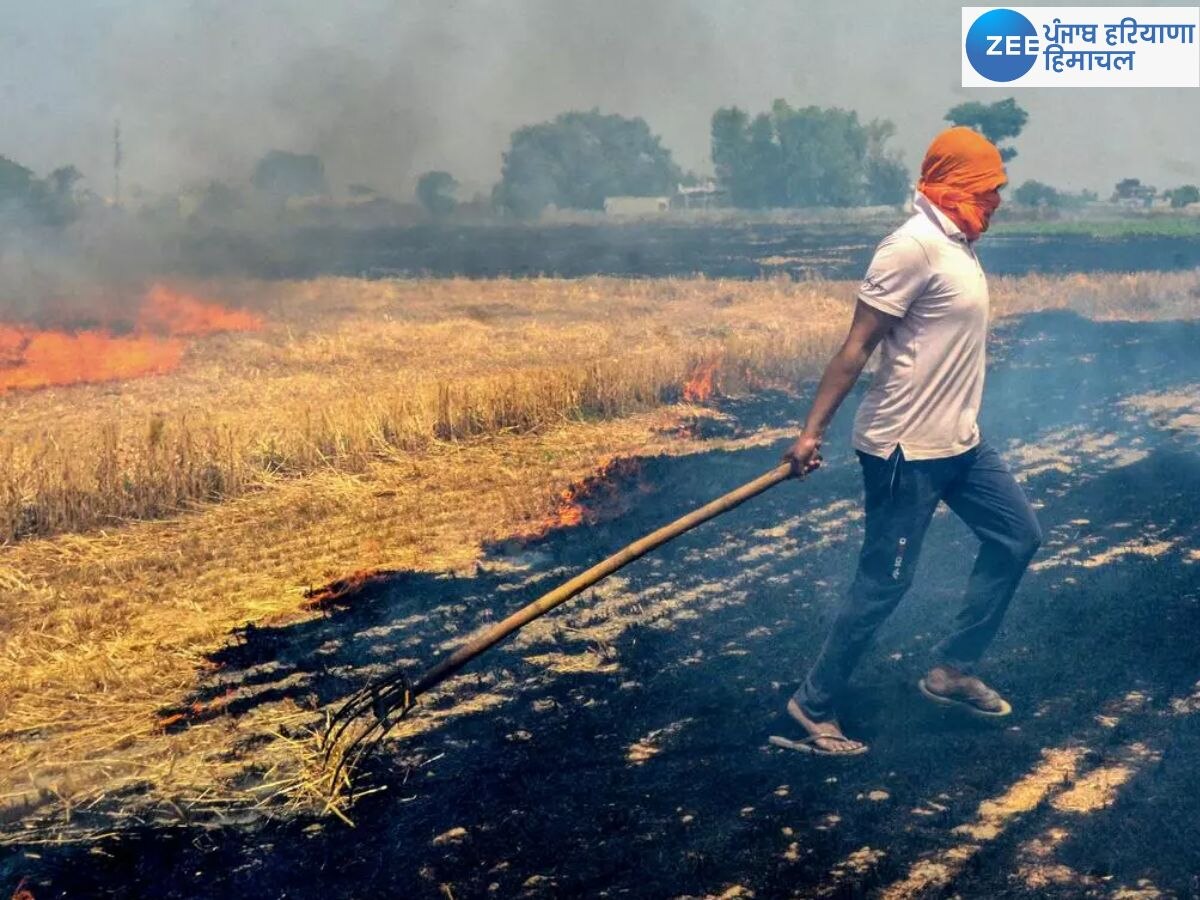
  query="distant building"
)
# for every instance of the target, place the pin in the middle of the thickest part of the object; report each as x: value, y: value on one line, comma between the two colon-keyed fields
x: 1141, y: 201
x: 700, y: 196
x: 1133, y: 194
x: 636, y: 206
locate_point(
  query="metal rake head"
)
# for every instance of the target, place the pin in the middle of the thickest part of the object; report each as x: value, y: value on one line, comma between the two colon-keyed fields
x: 388, y: 699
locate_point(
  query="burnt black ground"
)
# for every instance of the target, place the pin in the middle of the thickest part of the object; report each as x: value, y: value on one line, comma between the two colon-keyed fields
x: 646, y: 249
x: 551, y: 804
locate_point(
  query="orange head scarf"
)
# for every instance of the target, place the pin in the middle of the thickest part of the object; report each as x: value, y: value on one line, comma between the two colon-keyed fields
x: 961, y: 175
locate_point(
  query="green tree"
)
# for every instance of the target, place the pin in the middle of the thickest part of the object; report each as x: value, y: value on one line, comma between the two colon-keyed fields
x: 578, y: 159
x: 282, y: 174
x: 27, y: 200
x: 995, y: 121
x: 823, y: 153
x: 1133, y: 189
x: 763, y: 179
x: 1183, y: 195
x: 805, y: 157
x: 886, y: 175
x: 62, y: 181
x: 16, y: 182
x: 56, y: 196
x: 1127, y: 188
x: 436, y: 190
x: 1036, y: 193
x: 730, y: 146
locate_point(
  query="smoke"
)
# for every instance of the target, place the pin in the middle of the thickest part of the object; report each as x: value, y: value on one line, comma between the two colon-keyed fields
x: 89, y: 274
x: 383, y: 91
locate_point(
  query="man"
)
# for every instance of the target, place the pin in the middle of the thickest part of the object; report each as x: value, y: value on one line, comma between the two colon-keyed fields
x: 925, y: 298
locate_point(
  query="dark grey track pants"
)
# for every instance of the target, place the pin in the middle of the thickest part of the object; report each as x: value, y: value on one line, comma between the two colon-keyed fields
x: 901, y: 496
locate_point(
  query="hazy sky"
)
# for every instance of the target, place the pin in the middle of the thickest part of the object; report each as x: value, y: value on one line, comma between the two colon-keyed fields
x: 386, y: 90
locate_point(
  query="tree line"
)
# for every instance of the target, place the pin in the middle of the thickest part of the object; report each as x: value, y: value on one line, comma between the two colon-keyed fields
x: 26, y: 200
x: 784, y: 157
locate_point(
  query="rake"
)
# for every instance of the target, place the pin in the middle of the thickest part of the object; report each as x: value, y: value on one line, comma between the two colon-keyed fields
x: 390, y: 698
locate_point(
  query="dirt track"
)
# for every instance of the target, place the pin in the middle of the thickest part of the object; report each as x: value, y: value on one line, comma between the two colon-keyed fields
x: 620, y: 746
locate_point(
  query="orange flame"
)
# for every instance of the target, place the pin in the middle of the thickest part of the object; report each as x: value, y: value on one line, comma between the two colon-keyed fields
x: 197, y: 711
x: 343, y: 590
x: 699, y: 386
x: 168, y: 311
x: 32, y: 358
x: 570, y: 511
x: 597, y: 497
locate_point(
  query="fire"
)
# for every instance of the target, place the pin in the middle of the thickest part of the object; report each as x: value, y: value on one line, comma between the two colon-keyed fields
x: 33, y: 358
x: 198, y: 711
x: 570, y: 511
x: 167, y: 311
x: 343, y: 590
x: 699, y: 386
x: 597, y: 497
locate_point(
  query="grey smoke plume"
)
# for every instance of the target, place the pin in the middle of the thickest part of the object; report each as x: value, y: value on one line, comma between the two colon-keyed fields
x: 385, y: 90
x: 90, y: 274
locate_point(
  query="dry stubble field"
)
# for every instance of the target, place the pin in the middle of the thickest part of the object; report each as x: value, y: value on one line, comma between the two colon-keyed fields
x: 382, y: 425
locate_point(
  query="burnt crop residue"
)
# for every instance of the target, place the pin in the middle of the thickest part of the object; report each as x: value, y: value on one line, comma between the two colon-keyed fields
x: 620, y: 744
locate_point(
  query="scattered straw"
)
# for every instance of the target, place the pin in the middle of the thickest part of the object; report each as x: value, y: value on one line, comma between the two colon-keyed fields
x: 372, y: 426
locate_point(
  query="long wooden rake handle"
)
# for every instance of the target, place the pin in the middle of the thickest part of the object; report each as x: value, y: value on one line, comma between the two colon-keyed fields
x: 391, y: 697
x: 598, y: 572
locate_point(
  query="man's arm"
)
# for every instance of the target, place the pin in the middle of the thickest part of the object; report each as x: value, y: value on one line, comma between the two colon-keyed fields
x: 866, y: 331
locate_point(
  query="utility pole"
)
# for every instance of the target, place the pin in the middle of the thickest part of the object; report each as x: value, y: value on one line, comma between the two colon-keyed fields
x: 117, y: 163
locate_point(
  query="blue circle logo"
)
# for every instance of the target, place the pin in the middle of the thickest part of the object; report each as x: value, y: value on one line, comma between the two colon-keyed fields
x: 1002, y: 45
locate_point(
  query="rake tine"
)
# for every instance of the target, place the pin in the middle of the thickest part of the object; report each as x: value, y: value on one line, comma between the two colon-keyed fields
x: 360, y: 702
x: 340, y: 725
x: 379, y: 697
x: 385, y: 726
x: 348, y: 761
x: 346, y: 715
x: 395, y: 691
x: 358, y: 748
x: 372, y: 696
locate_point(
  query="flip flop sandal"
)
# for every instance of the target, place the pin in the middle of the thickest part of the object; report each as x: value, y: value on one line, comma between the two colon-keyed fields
x: 809, y: 745
x: 966, y: 704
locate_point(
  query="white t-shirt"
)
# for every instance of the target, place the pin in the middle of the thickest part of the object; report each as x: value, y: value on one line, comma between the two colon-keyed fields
x: 926, y: 392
